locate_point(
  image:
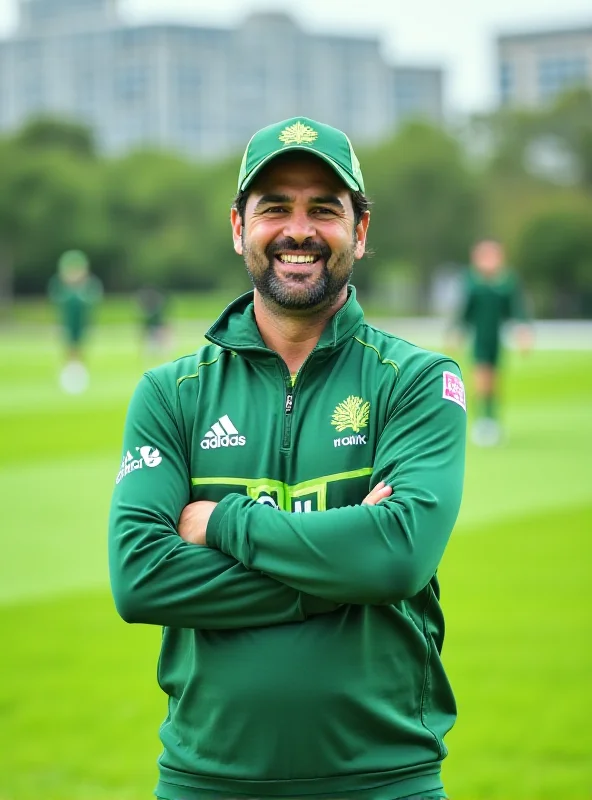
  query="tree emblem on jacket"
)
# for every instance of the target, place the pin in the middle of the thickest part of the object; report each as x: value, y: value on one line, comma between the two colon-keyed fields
x: 299, y: 133
x: 352, y: 413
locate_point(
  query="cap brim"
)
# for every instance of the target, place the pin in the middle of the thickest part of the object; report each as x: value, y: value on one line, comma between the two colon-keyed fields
x: 350, y: 182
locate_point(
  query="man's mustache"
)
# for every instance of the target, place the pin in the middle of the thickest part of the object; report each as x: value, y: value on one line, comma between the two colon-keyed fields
x: 308, y: 246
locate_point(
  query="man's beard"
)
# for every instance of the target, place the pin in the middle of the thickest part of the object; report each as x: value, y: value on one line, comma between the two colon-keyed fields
x: 323, y: 292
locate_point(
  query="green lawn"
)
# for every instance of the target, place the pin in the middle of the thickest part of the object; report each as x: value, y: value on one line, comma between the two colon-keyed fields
x: 79, y: 705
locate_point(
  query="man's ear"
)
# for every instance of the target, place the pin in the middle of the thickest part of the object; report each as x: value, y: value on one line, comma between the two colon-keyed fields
x: 361, y: 234
x: 236, y: 223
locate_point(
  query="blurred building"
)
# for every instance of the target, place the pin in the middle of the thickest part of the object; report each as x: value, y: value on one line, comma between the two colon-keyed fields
x: 419, y: 92
x: 535, y: 67
x: 202, y: 90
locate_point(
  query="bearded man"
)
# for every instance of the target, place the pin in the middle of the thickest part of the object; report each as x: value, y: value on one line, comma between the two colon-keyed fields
x: 284, y: 499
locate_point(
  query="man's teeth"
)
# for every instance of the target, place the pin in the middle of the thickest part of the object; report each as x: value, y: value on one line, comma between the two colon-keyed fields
x: 287, y: 259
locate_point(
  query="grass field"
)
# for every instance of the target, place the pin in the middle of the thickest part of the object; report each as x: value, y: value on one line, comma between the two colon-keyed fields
x: 79, y: 705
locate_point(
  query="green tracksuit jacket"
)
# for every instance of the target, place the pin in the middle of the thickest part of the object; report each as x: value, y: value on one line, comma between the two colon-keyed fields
x: 487, y: 304
x: 75, y: 304
x: 301, y: 648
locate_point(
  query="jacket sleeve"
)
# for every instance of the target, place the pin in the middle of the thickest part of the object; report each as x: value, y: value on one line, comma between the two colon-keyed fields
x: 157, y: 577
x: 368, y: 554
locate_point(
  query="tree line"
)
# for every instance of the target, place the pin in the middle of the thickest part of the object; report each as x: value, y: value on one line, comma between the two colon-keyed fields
x: 161, y: 219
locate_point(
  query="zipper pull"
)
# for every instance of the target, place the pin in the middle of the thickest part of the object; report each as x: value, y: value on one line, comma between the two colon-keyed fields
x: 289, y: 403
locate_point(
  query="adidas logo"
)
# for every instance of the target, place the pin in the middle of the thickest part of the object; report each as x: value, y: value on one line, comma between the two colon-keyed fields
x: 128, y: 464
x: 222, y: 434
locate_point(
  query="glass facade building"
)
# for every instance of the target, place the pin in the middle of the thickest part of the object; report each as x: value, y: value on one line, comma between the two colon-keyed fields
x: 201, y: 90
x: 533, y: 68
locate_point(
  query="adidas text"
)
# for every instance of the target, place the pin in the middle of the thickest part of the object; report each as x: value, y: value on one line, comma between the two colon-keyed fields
x: 223, y: 441
x: 346, y: 441
x: 222, y: 434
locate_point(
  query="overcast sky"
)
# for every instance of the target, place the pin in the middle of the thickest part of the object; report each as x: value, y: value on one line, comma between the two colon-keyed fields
x: 456, y: 34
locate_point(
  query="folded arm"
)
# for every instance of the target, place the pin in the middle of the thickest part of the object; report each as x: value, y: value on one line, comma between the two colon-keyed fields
x: 156, y: 577
x: 366, y: 554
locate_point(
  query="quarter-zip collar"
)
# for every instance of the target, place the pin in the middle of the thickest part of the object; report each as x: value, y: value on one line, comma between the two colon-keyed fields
x: 236, y: 328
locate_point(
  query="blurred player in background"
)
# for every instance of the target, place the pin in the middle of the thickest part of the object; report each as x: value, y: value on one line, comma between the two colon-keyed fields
x: 492, y: 295
x: 156, y: 334
x: 75, y: 292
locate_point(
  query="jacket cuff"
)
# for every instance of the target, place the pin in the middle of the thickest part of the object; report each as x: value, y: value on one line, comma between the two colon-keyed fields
x: 215, y: 527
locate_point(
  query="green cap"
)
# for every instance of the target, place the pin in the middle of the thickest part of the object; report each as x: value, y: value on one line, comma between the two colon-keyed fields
x: 301, y: 133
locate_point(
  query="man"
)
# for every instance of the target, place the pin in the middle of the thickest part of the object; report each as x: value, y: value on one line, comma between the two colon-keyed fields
x: 284, y: 499
x: 492, y: 295
x: 75, y: 292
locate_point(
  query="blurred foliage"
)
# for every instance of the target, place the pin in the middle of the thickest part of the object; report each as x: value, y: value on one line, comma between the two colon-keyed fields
x: 555, y: 253
x: 57, y: 134
x: 158, y: 218
x: 536, y: 175
x: 425, y: 200
x: 553, y: 142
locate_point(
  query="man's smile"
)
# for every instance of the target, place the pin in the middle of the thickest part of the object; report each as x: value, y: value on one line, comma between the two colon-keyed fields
x: 288, y: 258
x: 298, y: 265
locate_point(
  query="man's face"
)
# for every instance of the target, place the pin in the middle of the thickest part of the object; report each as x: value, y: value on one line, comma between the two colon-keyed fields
x: 75, y: 275
x: 298, y: 236
x: 488, y: 257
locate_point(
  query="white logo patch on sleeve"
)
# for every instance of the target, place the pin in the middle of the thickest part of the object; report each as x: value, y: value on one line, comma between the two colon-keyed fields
x: 151, y: 456
x: 454, y: 389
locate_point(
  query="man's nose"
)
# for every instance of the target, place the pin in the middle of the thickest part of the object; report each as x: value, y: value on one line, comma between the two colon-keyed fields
x: 299, y: 226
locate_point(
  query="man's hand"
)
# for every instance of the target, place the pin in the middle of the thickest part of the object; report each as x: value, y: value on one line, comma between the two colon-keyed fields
x: 380, y: 492
x: 194, y: 521
x: 524, y: 338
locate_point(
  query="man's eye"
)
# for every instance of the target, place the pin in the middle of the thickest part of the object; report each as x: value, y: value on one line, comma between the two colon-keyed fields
x: 275, y: 210
x: 324, y: 212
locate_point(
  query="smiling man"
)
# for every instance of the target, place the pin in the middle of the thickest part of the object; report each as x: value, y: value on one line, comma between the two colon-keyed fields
x: 305, y: 472
x: 313, y: 203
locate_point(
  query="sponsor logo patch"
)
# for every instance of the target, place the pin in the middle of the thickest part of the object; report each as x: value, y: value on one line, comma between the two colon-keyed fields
x: 149, y: 457
x: 454, y: 389
x: 352, y: 413
x: 347, y: 441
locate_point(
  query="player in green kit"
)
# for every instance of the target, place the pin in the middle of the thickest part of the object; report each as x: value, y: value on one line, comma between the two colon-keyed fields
x: 281, y: 506
x: 492, y: 296
x: 156, y: 335
x: 75, y: 292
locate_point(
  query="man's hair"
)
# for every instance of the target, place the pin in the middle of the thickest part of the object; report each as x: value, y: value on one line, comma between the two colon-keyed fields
x: 360, y: 203
x: 487, y: 240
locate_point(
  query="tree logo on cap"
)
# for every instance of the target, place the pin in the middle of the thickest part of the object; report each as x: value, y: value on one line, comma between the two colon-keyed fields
x: 298, y: 134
